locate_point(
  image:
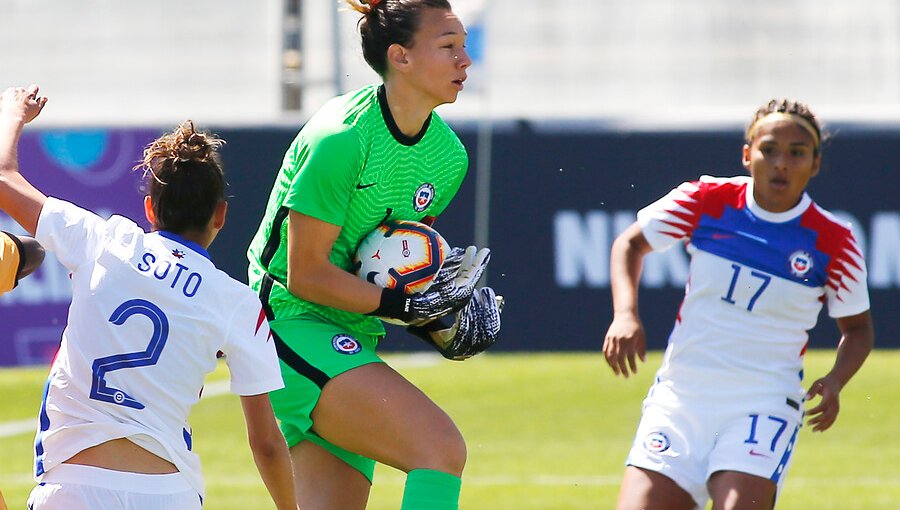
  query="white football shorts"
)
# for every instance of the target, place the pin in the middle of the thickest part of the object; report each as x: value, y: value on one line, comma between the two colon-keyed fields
x: 77, y: 487
x: 689, y: 441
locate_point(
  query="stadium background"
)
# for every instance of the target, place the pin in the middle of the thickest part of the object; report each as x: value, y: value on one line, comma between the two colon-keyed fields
x: 574, y: 117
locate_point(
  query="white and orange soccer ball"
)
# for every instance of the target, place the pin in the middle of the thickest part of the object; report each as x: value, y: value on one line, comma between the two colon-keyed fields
x: 399, y: 254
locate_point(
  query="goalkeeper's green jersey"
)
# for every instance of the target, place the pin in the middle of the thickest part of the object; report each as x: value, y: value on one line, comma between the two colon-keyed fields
x: 352, y: 167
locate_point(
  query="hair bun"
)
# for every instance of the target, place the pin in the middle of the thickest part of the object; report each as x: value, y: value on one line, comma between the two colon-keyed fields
x: 189, y: 145
x: 183, y: 178
x: 185, y: 144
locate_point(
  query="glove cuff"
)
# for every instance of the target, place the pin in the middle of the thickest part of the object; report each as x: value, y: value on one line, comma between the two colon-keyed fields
x: 394, y: 305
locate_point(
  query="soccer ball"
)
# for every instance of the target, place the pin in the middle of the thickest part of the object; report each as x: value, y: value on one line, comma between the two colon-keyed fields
x: 403, y: 255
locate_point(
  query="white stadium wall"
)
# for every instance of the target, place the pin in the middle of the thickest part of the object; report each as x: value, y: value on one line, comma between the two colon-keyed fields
x: 657, y: 62
x: 145, y: 63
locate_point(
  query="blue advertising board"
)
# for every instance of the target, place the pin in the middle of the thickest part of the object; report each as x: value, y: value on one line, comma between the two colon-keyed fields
x: 558, y: 198
x: 93, y: 169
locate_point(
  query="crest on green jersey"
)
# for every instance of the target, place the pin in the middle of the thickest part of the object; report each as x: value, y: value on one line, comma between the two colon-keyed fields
x: 423, y: 197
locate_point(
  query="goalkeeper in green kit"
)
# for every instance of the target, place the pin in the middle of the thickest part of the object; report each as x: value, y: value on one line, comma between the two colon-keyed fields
x: 374, y: 154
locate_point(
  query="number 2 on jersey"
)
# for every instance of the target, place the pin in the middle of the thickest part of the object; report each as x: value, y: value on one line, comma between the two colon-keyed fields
x: 102, y: 366
x: 729, y: 296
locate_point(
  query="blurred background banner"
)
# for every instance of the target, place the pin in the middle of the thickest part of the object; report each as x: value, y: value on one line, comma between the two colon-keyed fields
x: 575, y: 115
x: 558, y: 199
x: 91, y: 168
x: 560, y: 196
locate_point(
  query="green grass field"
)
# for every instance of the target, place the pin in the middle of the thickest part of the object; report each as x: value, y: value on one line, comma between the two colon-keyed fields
x: 544, y: 431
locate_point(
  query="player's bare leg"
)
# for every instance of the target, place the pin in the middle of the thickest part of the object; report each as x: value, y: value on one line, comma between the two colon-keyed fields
x: 648, y: 490
x: 731, y: 490
x: 373, y: 411
x: 323, y: 481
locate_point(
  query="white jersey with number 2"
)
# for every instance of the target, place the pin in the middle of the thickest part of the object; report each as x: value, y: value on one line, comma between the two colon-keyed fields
x: 149, y: 313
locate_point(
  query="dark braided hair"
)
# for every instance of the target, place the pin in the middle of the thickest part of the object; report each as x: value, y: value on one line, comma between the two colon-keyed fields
x: 790, y: 107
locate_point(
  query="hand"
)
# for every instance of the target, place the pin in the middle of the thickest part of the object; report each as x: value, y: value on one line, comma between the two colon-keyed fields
x: 823, y: 415
x: 461, y: 265
x: 455, y: 287
x: 451, y: 291
x: 22, y: 104
x: 450, y: 267
x: 624, y: 340
x: 476, y: 327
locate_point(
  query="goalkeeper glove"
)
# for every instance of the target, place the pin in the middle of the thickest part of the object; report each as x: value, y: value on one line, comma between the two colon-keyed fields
x: 475, y: 328
x: 450, y: 267
x: 449, y: 294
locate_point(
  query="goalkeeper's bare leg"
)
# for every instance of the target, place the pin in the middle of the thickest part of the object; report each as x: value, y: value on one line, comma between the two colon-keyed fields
x: 316, y: 471
x: 372, y: 410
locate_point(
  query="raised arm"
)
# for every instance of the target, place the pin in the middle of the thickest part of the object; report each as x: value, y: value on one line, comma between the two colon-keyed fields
x: 18, y: 198
x: 625, y: 339
x: 269, y: 450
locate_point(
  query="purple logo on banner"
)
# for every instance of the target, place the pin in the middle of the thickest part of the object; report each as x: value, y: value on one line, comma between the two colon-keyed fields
x: 89, y: 168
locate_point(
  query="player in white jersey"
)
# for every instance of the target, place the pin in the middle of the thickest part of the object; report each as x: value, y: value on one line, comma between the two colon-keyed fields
x: 721, y: 420
x: 149, y: 313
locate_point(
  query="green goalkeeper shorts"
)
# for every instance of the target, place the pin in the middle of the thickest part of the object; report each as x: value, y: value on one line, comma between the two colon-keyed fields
x: 316, y: 352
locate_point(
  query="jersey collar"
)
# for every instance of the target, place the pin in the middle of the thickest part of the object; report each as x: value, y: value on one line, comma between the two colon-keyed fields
x: 187, y: 244
x: 392, y: 124
x: 773, y: 217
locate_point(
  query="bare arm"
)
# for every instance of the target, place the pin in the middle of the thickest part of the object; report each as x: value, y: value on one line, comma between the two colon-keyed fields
x: 18, y: 197
x: 313, y: 277
x: 625, y: 338
x: 269, y: 450
x: 857, y: 339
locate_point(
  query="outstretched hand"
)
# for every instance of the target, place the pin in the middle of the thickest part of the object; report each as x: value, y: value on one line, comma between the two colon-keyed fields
x: 624, y: 343
x: 22, y: 104
x: 823, y: 415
